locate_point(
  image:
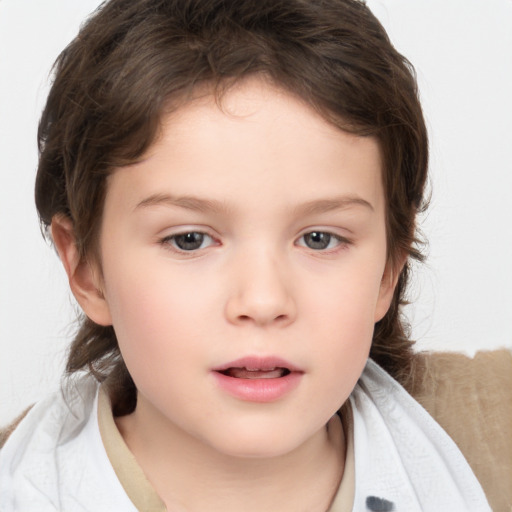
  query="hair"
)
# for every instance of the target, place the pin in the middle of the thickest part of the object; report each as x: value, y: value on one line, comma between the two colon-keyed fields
x: 134, y: 60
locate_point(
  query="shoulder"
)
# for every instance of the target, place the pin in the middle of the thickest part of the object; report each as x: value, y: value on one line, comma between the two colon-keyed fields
x: 37, y: 446
x: 55, y: 456
x: 403, y: 453
x: 471, y: 398
x: 52, y: 420
x: 58, y: 413
x: 5, y: 432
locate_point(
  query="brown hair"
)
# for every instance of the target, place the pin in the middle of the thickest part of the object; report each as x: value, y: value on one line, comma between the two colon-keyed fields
x: 133, y: 59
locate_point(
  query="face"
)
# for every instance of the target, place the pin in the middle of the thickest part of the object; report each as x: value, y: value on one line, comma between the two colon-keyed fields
x: 243, y: 268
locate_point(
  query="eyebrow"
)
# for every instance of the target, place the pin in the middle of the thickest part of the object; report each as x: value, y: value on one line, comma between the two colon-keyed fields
x: 187, y: 202
x: 316, y: 206
x: 335, y: 203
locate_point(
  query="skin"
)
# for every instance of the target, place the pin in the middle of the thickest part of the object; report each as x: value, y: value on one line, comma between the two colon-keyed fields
x: 255, y: 176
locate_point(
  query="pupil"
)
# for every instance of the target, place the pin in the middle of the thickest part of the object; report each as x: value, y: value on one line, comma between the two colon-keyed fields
x: 317, y: 240
x: 189, y: 241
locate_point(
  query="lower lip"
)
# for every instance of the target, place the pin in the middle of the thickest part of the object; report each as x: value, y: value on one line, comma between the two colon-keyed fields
x: 259, y: 390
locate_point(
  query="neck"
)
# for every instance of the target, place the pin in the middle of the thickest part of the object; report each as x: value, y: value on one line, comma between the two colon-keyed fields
x: 190, y: 475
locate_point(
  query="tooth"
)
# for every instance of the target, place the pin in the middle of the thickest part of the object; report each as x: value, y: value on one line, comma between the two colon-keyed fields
x: 245, y: 373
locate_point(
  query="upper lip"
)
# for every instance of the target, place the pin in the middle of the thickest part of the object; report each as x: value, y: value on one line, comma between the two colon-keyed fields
x: 261, y: 363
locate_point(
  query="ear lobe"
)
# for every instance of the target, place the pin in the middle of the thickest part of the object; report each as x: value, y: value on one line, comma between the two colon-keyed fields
x: 387, y: 288
x: 84, y: 278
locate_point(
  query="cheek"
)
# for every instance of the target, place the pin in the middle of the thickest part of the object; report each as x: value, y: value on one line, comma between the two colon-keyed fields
x: 149, y: 309
x: 162, y: 315
x: 343, y: 323
x: 346, y: 299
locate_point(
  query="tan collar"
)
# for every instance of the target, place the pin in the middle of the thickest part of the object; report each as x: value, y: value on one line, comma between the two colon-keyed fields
x: 145, y: 498
x: 128, y: 471
x: 344, y: 499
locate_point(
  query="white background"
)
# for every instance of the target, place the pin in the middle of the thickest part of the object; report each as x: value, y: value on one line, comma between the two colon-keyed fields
x: 462, y: 50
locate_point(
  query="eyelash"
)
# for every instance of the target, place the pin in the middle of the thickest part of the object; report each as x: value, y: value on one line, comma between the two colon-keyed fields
x: 169, y: 242
x: 341, y: 242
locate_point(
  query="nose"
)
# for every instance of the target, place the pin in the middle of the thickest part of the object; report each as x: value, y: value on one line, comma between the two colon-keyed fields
x: 261, y: 292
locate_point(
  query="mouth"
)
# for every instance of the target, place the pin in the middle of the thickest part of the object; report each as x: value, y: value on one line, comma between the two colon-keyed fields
x: 257, y: 379
x: 255, y: 373
x: 254, y: 367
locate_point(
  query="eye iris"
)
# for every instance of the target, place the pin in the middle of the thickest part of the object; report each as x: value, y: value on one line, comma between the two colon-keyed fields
x: 317, y: 240
x: 189, y: 241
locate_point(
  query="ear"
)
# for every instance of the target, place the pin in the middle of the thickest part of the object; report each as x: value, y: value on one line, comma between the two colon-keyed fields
x: 387, y: 287
x: 84, y: 277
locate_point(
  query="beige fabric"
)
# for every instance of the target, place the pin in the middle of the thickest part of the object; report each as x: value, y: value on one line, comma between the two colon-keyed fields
x: 471, y: 398
x: 129, y: 473
x: 344, y: 499
x: 7, y: 431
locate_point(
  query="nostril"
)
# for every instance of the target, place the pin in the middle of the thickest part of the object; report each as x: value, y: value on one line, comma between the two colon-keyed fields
x: 247, y: 309
x: 246, y: 318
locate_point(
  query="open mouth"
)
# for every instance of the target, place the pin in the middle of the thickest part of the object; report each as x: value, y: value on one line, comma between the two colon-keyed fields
x: 253, y: 373
x: 258, y: 379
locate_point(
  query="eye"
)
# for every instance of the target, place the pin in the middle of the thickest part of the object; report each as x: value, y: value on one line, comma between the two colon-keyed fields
x: 321, y: 240
x: 190, y: 241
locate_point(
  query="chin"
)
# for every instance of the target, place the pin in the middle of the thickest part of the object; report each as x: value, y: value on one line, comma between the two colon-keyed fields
x: 263, y: 444
x: 263, y: 451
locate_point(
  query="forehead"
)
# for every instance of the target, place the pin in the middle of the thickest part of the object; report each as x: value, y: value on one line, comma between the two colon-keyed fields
x: 255, y: 137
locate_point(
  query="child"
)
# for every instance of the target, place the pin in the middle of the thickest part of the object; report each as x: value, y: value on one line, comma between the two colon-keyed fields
x: 232, y: 189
